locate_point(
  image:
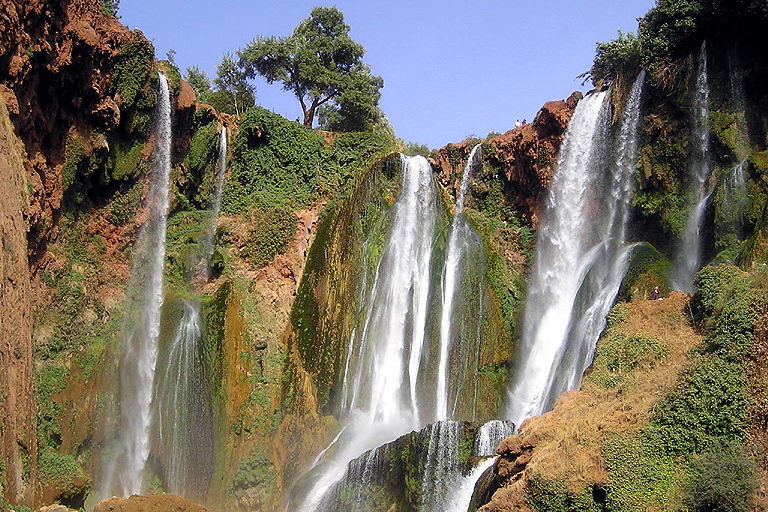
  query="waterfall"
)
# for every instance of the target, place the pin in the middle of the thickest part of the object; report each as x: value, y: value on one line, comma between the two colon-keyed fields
x: 457, y: 245
x: 689, y: 254
x: 125, y: 472
x: 461, y: 497
x: 736, y: 196
x: 490, y: 435
x: 207, y: 245
x: 182, y: 405
x: 581, y: 256
x: 441, y: 468
x: 386, y: 349
x: 182, y: 396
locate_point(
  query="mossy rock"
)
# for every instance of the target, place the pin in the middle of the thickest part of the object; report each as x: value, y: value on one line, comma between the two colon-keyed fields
x: 648, y: 268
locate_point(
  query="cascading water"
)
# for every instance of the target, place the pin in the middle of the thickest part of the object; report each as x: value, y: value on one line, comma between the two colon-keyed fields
x: 490, y: 435
x: 736, y: 196
x: 207, y: 245
x: 581, y: 256
x: 458, y: 242
x: 182, y: 401
x: 182, y: 407
x: 385, y: 359
x: 125, y: 472
x: 689, y: 252
x: 442, y: 465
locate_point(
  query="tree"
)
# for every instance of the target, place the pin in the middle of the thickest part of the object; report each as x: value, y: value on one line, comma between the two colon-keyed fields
x: 322, y: 66
x: 233, y: 93
x: 199, y: 81
x: 109, y: 7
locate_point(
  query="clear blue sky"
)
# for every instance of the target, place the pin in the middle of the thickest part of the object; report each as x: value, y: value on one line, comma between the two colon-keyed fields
x: 450, y: 68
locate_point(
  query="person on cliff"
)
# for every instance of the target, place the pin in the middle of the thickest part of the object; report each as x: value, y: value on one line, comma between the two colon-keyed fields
x: 656, y: 294
x: 525, y: 122
x: 517, y: 124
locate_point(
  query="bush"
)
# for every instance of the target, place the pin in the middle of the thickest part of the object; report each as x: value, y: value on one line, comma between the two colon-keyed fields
x: 273, y: 232
x: 622, y: 55
x: 255, y: 472
x: 617, y: 355
x: 707, y: 408
x: 722, y: 481
x: 132, y: 69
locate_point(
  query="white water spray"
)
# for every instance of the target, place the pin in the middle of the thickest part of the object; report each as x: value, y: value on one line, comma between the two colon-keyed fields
x: 581, y: 258
x: 381, y: 403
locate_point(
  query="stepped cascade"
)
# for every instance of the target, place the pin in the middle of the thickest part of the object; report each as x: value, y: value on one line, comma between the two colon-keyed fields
x: 206, y: 252
x: 125, y: 471
x: 581, y: 257
x: 689, y: 253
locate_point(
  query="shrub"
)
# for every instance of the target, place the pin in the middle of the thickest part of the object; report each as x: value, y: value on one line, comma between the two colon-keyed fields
x: 254, y: 472
x: 622, y: 55
x: 132, y: 69
x: 617, y: 355
x: 706, y: 409
x: 722, y: 481
x: 273, y: 231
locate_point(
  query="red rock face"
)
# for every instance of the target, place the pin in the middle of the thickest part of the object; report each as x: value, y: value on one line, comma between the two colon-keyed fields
x: 526, y: 155
x: 54, y: 62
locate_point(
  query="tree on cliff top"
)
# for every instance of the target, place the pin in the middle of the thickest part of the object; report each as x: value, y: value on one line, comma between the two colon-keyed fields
x: 322, y: 66
x: 230, y: 93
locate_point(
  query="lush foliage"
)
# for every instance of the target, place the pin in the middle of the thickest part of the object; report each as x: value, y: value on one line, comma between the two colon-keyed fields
x: 617, y: 355
x: 321, y: 65
x: 272, y: 231
x: 722, y: 481
x: 109, y: 6
x: 230, y: 92
x: 616, y: 57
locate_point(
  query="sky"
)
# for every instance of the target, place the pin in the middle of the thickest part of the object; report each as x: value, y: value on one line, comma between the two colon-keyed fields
x: 451, y: 68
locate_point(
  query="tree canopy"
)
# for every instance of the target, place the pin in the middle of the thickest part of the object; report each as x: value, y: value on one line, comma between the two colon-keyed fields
x: 322, y: 66
x: 230, y: 91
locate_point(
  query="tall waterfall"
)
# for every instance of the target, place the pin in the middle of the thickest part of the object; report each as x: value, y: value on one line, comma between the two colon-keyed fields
x: 125, y: 472
x: 689, y: 252
x: 386, y: 349
x: 215, y: 208
x: 457, y: 245
x: 182, y: 401
x: 581, y: 257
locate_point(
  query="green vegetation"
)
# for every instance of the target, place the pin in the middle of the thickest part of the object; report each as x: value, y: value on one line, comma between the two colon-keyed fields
x: 722, y: 481
x: 554, y: 496
x: 63, y: 472
x: 230, y: 92
x: 322, y: 66
x: 272, y: 231
x: 617, y: 355
x: 109, y: 7
x: 670, y: 31
x: 133, y: 66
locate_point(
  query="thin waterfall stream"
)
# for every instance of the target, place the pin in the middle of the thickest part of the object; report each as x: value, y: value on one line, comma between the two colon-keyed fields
x: 689, y: 254
x: 457, y: 241
x: 182, y: 401
x: 125, y: 472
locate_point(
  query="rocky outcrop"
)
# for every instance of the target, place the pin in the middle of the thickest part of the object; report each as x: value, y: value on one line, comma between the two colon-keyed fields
x: 567, y: 444
x: 157, y: 503
x: 17, y: 411
x: 524, y: 157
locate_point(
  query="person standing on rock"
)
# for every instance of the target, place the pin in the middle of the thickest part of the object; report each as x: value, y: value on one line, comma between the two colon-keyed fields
x: 656, y: 294
x: 517, y: 124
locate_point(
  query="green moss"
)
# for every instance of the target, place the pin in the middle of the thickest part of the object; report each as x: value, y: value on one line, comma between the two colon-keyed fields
x: 200, y: 164
x: 127, y: 163
x: 255, y: 472
x: 184, y: 234
x: 74, y: 157
x: 62, y: 472
x: 648, y: 268
x: 132, y: 69
x: 125, y: 204
x: 50, y: 380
